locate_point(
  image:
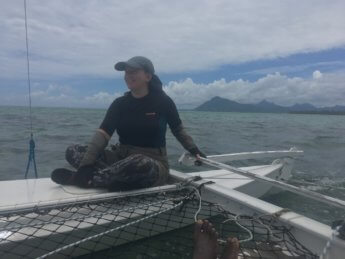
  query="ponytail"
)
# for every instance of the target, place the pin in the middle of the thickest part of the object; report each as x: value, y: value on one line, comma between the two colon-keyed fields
x: 155, y: 84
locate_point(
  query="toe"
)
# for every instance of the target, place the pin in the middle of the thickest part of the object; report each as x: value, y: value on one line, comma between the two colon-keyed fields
x: 204, y: 227
x: 207, y: 226
x: 214, y: 233
x: 198, y: 225
x: 235, y: 243
x: 197, y: 228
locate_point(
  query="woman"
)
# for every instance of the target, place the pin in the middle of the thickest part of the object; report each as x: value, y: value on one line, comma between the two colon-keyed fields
x: 140, y: 118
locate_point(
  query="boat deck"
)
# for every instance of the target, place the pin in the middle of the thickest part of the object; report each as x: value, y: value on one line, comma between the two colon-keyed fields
x: 227, y: 188
x: 44, y: 189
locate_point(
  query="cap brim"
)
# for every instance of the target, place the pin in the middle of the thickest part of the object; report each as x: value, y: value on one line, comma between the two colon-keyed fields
x: 121, y: 66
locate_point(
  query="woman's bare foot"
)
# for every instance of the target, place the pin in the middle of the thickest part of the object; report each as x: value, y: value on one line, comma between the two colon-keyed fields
x: 231, y: 249
x: 205, y: 240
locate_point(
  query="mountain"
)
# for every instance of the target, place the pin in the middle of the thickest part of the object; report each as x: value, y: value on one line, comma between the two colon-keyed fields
x: 221, y: 104
x: 337, y: 108
x: 302, y: 107
x: 265, y: 106
x: 225, y: 105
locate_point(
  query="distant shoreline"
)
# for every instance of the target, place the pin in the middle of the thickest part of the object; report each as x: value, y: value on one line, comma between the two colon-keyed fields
x: 194, y: 110
x: 52, y: 107
x: 291, y: 112
x: 222, y: 104
x: 319, y: 112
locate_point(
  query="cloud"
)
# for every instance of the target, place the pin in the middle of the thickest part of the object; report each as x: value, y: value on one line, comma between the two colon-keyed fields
x: 65, y: 96
x: 102, y: 98
x: 317, y: 74
x: 67, y: 38
x: 321, y: 90
x: 297, y: 68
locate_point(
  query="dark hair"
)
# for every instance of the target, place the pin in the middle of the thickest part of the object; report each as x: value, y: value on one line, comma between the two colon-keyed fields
x: 155, y: 84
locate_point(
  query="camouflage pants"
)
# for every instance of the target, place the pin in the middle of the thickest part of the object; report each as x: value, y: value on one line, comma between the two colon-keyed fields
x: 125, y: 167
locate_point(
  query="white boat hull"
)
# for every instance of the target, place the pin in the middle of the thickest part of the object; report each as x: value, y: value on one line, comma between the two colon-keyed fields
x: 234, y: 192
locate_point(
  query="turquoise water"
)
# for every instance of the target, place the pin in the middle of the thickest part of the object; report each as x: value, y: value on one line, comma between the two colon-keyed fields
x: 322, y: 137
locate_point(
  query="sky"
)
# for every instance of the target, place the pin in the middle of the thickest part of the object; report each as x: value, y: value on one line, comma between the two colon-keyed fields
x: 285, y: 52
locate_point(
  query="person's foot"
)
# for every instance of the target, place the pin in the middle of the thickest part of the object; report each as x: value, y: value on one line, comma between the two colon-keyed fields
x: 81, y: 178
x: 231, y: 249
x: 205, y: 240
x: 63, y: 176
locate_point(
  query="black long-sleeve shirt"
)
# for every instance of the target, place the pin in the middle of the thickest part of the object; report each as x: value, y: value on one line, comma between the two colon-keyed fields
x: 143, y: 121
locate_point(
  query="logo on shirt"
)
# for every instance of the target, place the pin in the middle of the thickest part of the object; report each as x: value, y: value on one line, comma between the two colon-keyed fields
x: 150, y: 114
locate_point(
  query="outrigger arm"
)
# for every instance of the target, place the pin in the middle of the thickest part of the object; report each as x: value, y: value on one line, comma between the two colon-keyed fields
x: 288, y: 187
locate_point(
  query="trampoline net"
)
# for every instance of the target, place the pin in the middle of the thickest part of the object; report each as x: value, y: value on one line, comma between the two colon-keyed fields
x: 152, y: 225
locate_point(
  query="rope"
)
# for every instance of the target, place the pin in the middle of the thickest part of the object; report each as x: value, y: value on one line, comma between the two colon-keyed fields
x: 236, y: 220
x: 31, y: 142
x: 31, y: 157
x: 197, y: 192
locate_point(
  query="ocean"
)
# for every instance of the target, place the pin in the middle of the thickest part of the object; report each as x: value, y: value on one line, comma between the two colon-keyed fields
x: 321, y: 137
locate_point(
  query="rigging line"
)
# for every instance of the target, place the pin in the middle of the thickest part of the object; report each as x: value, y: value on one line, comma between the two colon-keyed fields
x: 28, y: 66
x: 32, y: 142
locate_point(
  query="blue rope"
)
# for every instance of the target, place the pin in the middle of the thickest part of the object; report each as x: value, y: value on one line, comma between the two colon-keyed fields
x: 31, y: 157
x: 32, y: 142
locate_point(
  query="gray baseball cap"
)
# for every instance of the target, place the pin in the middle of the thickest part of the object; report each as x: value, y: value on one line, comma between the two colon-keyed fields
x: 136, y: 62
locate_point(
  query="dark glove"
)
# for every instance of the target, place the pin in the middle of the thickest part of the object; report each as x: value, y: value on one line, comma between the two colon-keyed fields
x: 195, y: 151
x: 83, y: 177
x: 95, y: 147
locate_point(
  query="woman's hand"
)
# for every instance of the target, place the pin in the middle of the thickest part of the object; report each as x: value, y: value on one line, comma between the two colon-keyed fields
x: 198, y: 161
x: 198, y: 156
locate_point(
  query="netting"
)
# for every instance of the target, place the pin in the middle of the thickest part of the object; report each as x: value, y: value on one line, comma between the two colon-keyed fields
x: 152, y: 225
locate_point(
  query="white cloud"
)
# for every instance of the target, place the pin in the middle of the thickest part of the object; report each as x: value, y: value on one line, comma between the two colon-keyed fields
x: 295, y: 68
x: 65, y: 96
x: 102, y: 98
x: 69, y: 38
x: 324, y: 90
x: 51, y: 92
x: 317, y: 74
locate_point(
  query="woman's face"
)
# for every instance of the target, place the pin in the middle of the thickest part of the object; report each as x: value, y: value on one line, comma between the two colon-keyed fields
x: 136, y: 78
